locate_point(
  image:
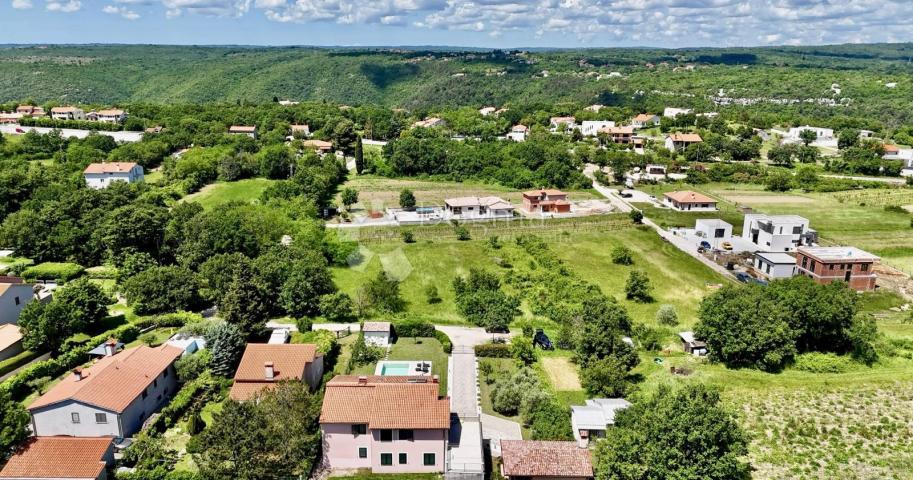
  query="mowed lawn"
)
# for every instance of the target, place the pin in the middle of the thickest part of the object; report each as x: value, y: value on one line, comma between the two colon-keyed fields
x: 246, y: 191
x: 378, y: 193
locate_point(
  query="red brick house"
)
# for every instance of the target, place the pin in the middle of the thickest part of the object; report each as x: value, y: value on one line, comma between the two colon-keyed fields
x: 829, y: 264
x: 546, y: 201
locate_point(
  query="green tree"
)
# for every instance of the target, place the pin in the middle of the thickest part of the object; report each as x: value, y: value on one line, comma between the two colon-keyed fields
x: 275, y: 161
x: 163, y: 289
x: 638, y: 287
x: 636, y: 216
x: 14, y: 423
x: 307, y: 281
x: 382, y: 294
x: 349, y: 197
x: 226, y: 342
x: 247, y: 303
x: 337, y: 307
x: 606, y: 377
x: 848, y: 137
x: 778, y: 182
x: 132, y: 264
x: 683, y: 433
x: 75, y: 307
x: 481, y: 300
x: 806, y: 177
x: 521, y: 348
x: 666, y: 315
x: 406, y: 199
x: 807, y: 137
x: 217, y: 273
x: 622, y: 255
x: 359, y: 156
x: 604, y: 324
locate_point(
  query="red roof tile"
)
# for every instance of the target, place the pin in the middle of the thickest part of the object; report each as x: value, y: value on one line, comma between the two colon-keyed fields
x: 58, y: 457
x: 524, y: 458
x: 289, y: 361
x: 687, y: 196
x: 113, y: 167
x: 385, y: 402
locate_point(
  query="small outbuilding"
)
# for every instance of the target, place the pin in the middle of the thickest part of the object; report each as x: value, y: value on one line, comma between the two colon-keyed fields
x: 377, y: 333
x: 713, y: 229
x: 534, y: 460
x: 774, y: 265
x: 692, y: 345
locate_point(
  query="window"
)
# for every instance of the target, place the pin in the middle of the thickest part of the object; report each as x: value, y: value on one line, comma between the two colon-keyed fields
x: 406, y: 435
x: 403, y: 459
x: 17, y: 300
x: 804, y: 262
x: 428, y: 460
x: 362, y: 452
x: 101, y: 418
x: 830, y: 267
x: 864, y: 267
x: 386, y: 459
x: 74, y: 417
x: 359, y: 429
x: 155, y: 383
x: 386, y: 435
x: 145, y: 394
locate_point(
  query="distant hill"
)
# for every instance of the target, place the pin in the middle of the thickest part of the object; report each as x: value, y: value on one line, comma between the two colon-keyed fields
x: 416, y: 78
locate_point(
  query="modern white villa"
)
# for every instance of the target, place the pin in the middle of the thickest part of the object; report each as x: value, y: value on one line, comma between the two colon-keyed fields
x: 778, y: 233
x: 478, y: 208
x: 589, y: 128
x: 101, y: 175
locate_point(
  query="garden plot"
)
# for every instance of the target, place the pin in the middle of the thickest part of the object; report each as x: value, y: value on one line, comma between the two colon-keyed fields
x: 561, y: 373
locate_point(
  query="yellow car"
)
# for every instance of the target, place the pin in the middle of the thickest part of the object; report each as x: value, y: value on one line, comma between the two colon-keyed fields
x: 726, y: 246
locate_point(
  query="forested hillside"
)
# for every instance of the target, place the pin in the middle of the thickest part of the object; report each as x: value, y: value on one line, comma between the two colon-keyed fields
x: 795, y: 81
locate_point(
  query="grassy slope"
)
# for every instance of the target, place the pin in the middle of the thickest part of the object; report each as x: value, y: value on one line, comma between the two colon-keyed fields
x: 246, y: 191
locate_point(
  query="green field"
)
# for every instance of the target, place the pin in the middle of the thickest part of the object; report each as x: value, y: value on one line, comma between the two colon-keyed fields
x: 246, y: 191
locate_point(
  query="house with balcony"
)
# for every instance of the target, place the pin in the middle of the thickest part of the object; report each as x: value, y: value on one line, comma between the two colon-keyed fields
x: 264, y: 365
x: 387, y: 424
x: 110, y: 115
x: 478, y: 208
x: 621, y: 135
x: 546, y: 200
x: 110, y: 398
x: 68, y: 113
x: 831, y: 264
x: 778, y: 233
x: 101, y: 175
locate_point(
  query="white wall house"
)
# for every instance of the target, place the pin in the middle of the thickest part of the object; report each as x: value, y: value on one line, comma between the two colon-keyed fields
x: 670, y: 112
x: 562, y: 124
x: 777, y: 233
x: 100, y: 175
x: 713, y: 230
x: 589, y: 128
x: 111, y: 115
x: 774, y: 265
x: 590, y: 421
x: 14, y: 296
x: 377, y: 333
x: 477, y: 208
x: 821, y: 133
x: 112, y: 397
x: 518, y: 133
x: 68, y: 113
x: 644, y: 120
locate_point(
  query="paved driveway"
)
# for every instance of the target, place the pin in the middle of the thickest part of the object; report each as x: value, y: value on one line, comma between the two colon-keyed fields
x: 469, y: 336
x: 495, y: 428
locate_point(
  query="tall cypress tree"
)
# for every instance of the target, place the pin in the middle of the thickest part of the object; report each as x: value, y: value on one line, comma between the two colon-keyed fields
x: 359, y: 156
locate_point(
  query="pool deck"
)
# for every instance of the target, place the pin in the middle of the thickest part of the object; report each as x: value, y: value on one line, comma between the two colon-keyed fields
x: 402, y: 367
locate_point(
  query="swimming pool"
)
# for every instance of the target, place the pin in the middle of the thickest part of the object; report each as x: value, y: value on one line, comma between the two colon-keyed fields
x: 395, y: 369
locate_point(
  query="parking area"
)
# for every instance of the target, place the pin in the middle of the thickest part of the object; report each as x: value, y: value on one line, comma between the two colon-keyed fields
x: 738, y: 244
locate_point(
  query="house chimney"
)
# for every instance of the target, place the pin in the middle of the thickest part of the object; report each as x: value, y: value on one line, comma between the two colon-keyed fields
x: 269, y: 371
x: 77, y: 374
x: 435, y: 379
x: 110, y: 346
x: 362, y: 380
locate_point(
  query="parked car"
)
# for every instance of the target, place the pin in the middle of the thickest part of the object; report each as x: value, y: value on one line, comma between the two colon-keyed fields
x: 541, y: 340
x: 626, y: 194
x: 497, y: 329
x: 726, y: 246
x: 743, y: 277
x: 705, y: 245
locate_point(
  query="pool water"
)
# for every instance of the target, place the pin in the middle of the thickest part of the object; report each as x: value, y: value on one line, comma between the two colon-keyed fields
x: 395, y: 369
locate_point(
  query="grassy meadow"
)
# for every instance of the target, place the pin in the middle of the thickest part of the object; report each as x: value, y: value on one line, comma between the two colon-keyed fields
x: 246, y: 191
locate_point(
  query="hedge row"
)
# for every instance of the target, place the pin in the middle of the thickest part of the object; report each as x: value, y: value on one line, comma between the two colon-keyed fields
x: 196, y: 392
x: 413, y: 327
x: 493, y: 350
x: 60, y: 271
x: 445, y: 341
x: 17, y: 361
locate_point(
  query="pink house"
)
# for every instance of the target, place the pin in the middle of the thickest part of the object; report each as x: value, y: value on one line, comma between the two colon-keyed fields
x: 389, y: 424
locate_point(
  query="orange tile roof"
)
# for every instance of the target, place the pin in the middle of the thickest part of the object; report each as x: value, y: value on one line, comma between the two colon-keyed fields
x: 289, y: 362
x: 113, y: 167
x: 525, y: 458
x: 64, y: 109
x: 551, y: 192
x: 318, y: 144
x: 112, y: 383
x: 625, y: 130
x: 111, y: 112
x: 560, y: 120
x: 9, y: 335
x: 687, y: 196
x: 888, y: 148
x: 686, y: 137
x: 58, y: 457
x: 386, y: 402
x: 644, y: 117
x: 243, y: 128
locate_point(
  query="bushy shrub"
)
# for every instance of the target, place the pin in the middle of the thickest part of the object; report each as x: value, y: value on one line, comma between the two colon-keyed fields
x: 445, y: 341
x: 413, y: 328
x: 324, y: 339
x: 816, y: 362
x: 60, y: 271
x: 337, y: 307
x: 493, y: 350
x: 622, y: 256
x: 432, y: 295
x: 521, y: 348
x: 666, y: 315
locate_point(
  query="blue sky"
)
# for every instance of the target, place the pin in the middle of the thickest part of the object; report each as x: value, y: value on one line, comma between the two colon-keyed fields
x: 478, y: 23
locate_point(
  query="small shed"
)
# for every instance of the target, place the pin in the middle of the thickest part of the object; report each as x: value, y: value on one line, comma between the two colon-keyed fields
x: 692, y: 345
x: 107, y: 349
x: 713, y: 229
x: 377, y: 333
x: 774, y: 265
x: 279, y: 336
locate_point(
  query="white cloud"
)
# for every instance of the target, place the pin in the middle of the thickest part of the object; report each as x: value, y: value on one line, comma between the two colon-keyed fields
x: 211, y: 8
x: 22, y: 4
x: 64, y: 7
x: 122, y: 11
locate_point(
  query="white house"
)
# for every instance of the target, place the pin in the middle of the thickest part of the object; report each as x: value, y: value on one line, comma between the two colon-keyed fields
x: 594, y: 108
x: 112, y: 397
x: 677, y: 142
x: 777, y: 233
x: 430, y: 122
x: 774, y: 265
x: 377, y: 333
x: 486, y: 111
x: 591, y: 420
x: 644, y: 120
x: 713, y: 229
x: 589, y: 128
x: 518, y: 133
x: 821, y: 133
x: 249, y: 130
x: 68, y: 113
x: 688, y: 201
x: 670, y: 112
x: 477, y: 208
x: 562, y: 124
x: 100, y: 175
x: 14, y: 296
x: 112, y: 115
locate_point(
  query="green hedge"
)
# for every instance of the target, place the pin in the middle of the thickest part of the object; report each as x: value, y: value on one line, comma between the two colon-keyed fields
x: 445, y: 341
x: 324, y: 339
x: 60, y: 271
x: 17, y: 361
x: 493, y: 350
x: 413, y: 328
x: 102, y: 272
x: 199, y: 391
